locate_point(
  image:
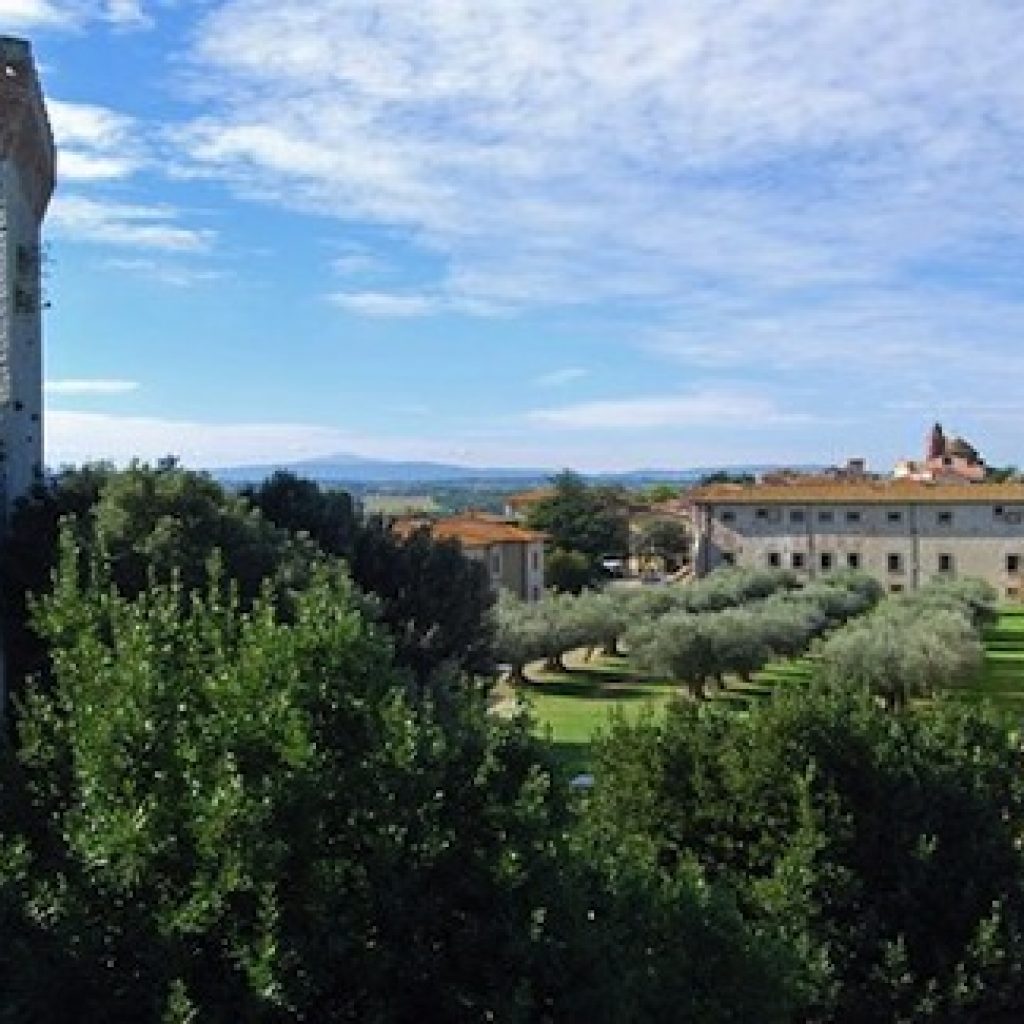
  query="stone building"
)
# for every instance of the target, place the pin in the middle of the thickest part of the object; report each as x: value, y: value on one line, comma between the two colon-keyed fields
x: 26, y: 183
x: 902, y: 532
x: 512, y: 555
x: 946, y: 460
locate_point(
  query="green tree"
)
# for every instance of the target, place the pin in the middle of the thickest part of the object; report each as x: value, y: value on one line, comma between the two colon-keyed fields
x: 568, y: 572
x: 665, y: 538
x: 837, y: 825
x: 577, y: 517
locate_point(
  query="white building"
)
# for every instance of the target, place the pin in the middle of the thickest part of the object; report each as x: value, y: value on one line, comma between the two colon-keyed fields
x: 903, y: 533
x: 26, y: 183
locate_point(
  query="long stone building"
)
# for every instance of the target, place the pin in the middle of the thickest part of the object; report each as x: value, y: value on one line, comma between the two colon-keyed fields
x: 903, y: 533
x: 26, y: 184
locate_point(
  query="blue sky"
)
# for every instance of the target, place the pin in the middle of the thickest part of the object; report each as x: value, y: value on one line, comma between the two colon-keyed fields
x: 608, y: 235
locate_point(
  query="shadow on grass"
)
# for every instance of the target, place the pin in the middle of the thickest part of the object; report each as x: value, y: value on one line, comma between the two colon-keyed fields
x: 592, y: 689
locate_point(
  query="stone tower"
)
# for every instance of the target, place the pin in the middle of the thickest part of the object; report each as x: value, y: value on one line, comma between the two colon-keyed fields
x: 26, y: 183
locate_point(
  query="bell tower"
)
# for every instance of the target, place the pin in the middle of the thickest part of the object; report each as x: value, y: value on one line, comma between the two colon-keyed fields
x: 26, y: 183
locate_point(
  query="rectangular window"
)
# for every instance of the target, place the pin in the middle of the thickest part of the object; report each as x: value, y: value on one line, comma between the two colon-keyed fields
x: 796, y: 515
x: 496, y: 561
x: 534, y: 561
x: 1013, y: 564
x: 728, y: 558
x: 853, y: 560
x: 761, y: 513
x: 894, y: 515
x: 728, y: 515
x: 944, y: 517
x: 895, y: 563
x: 853, y: 515
x: 797, y: 560
x: 895, y: 588
x: 826, y: 561
x: 825, y: 515
x: 774, y: 559
x: 945, y: 563
x: 997, y: 511
x: 1013, y: 591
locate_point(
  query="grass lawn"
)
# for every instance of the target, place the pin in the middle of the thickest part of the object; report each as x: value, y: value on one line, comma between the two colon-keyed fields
x: 571, y: 706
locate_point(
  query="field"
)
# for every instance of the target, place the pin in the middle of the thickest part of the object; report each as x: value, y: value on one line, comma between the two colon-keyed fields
x: 571, y: 706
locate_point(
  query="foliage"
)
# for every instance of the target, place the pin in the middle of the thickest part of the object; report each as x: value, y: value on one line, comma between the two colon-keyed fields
x: 885, y: 849
x: 665, y: 537
x: 578, y: 517
x: 219, y: 815
x: 567, y: 571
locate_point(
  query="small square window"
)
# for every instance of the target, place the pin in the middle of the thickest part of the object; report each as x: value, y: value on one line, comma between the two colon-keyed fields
x: 728, y: 515
x: 997, y: 511
x: 825, y: 515
x: 796, y: 515
x: 853, y: 560
x: 1013, y: 564
x: 728, y: 558
x: 894, y: 515
x: 761, y: 513
x: 853, y: 515
x: 945, y: 563
x: 894, y: 563
x: 774, y: 559
x: 944, y: 517
x: 1013, y: 591
x: 827, y: 560
x: 895, y: 588
x: 797, y: 560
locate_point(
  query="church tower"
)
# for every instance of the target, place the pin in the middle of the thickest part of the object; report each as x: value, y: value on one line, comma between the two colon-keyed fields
x: 26, y: 183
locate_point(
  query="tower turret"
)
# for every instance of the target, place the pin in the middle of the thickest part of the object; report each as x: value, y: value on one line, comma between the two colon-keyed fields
x: 26, y: 184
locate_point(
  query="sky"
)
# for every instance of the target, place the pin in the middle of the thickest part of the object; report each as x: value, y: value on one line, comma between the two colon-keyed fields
x: 607, y: 235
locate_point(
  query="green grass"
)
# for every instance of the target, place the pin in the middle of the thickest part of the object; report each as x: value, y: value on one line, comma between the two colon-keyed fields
x: 572, y: 706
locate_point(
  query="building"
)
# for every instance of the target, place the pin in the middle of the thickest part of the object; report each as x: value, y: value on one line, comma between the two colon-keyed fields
x: 512, y: 555
x: 902, y: 532
x: 946, y: 460
x: 26, y: 184
x: 519, y: 506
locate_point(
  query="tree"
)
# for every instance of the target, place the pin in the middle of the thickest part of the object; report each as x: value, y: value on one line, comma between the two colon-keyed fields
x: 577, y: 517
x: 836, y: 825
x: 433, y: 601
x: 567, y: 572
x: 302, y: 506
x: 664, y: 538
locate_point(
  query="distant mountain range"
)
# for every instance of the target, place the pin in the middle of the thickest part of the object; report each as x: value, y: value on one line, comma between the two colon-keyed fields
x: 351, y: 469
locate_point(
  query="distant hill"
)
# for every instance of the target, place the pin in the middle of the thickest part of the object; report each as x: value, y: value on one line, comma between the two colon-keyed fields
x: 353, y: 470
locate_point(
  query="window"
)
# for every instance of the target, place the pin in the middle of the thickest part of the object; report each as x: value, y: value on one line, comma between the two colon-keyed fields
x: 761, y: 513
x: 853, y: 560
x: 945, y: 563
x: 895, y: 588
x: 535, y: 593
x: 534, y: 561
x: 853, y: 515
x: 796, y: 515
x: 496, y: 561
x: 728, y: 515
x: 894, y: 515
x: 825, y: 515
x: 826, y: 560
x: 774, y: 559
x: 895, y: 563
x: 997, y: 511
x: 944, y: 517
x: 1013, y: 591
x: 728, y: 558
x: 797, y: 560
x: 1013, y: 564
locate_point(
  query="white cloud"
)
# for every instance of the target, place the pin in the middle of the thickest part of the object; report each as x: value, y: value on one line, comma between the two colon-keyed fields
x: 557, y: 378
x: 90, y: 387
x: 70, y: 13
x: 386, y: 305
x: 173, y: 274
x: 74, y: 437
x: 93, y: 143
x: 726, y: 410
x: 556, y: 153
x: 123, y: 224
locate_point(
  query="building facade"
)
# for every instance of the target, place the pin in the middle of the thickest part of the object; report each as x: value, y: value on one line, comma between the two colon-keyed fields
x: 903, y: 533
x: 512, y: 555
x: 26, y: 184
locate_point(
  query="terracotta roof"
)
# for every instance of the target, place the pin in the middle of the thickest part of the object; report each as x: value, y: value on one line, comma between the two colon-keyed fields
x: 472, y: 531
x: 860, y: 493
x: 529, y: 497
